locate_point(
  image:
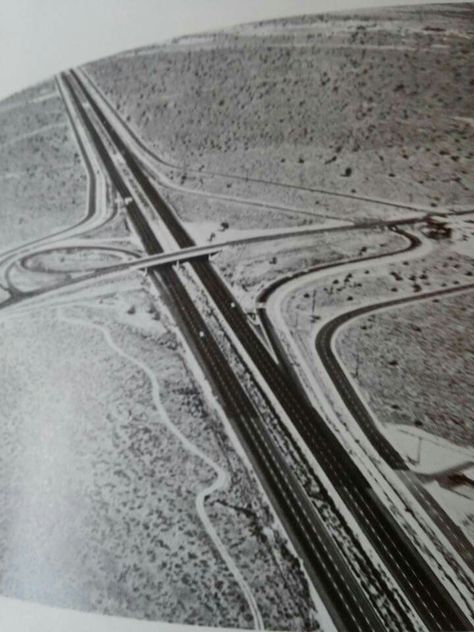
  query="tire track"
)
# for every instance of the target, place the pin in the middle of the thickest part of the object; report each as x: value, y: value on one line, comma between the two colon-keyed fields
x: 220, y: 481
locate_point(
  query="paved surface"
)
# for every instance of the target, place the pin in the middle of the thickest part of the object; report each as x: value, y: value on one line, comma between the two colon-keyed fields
x: 331, y: 576
x: 328, y: 570
x: 353, y: 402
x: 363, y: 416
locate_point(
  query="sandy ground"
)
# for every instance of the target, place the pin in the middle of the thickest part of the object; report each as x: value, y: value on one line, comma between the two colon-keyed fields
x: 136, y: 512
x: 298, y: 101
x: 427, y: 344
x: 252, y: 268
x: 123, y: 491
x: 42, y: 180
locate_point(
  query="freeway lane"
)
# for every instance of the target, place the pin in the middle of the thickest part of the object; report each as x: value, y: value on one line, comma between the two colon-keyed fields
x: 326, y: 567
x: 402, y: 559
x: 432, y: 602
x: 333, y: 579
x: 385, y: 449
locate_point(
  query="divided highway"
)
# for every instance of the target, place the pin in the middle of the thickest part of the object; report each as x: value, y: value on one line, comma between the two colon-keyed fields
x: 333, y: 579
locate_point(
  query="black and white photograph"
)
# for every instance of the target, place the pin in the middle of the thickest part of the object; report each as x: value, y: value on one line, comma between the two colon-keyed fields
x: 237, y: 321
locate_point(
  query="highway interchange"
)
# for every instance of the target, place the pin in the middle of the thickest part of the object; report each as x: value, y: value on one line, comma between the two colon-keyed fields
x: 349, y: 602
